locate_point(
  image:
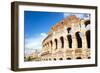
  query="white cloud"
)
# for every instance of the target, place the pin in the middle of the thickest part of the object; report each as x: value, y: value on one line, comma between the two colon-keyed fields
x: 79, y: 15
x: 35, y: 42
x: 66, y: 15
x: 88, y: 27
x: 43, y: 34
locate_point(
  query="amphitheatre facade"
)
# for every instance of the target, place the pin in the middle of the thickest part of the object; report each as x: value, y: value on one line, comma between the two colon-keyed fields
x: 67, y: 40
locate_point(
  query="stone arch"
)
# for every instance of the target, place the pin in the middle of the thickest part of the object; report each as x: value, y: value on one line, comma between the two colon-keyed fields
x: 68, y: 58
x: 56, y: 43
x: 62, y: 41
x: 69, y: 37
x: 51, y: 44
x: 78, y: 58
x: 89, y: 57
x: 47, y: 44
x: 88, y: 38
x: 49, y: 58
x: 87, y: 22
x: 60, y: 58
x: 68, y: 29
x: 55, y: 59
x: 79, y: 40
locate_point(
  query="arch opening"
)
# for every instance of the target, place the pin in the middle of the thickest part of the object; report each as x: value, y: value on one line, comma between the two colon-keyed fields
x: 55, y: 59
x: 68, y: 29
x: 60, y: 58
x: 79, y: 40
x: 78, y: 58
x: 88, y: 38
x: 89, y: 57
x: 69, y: 40
x: 62, y: 42
x: 68, y: 58
x: 56, y: 44
x: 87, y: 22
x: 51, y: 43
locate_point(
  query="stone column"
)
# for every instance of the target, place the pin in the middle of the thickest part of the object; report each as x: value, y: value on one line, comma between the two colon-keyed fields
x: 44, y: 48
x: 50, y: 47
x: 74, y: 41
x: 47, y: 46
x: 59, y: 44
x: 53, y: 45
x: 84, y: 41
x: 66, y: 46
x: 65, y: 43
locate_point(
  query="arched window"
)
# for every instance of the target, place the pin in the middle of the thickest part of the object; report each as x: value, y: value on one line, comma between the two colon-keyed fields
x: 60, y: 58
x: 78, y: 58
x: 68, y: 29
x: 69, y: 40
x: 62, y: 22
x: 68, y: 58
x: 62, y: 42
x: 87, y: 22
x: 56, y: 43
x: 55, y: 59
x: 88, y: 38
x: 49, y: 58
x: 79, y: 40
x: 47, y: 44
x: 51, y: 45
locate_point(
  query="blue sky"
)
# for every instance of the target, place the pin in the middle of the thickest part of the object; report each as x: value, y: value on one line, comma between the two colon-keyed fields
x: 37, y: 25
x: 37, y: 22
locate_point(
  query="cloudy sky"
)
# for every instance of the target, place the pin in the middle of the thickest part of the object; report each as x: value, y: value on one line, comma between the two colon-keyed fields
x: 37, y: 25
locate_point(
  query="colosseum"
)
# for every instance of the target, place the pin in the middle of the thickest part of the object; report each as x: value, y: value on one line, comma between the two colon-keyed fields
x: 67, y: 40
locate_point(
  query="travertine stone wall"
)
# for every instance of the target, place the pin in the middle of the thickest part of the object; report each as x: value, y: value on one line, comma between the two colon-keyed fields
x: 56, y: 44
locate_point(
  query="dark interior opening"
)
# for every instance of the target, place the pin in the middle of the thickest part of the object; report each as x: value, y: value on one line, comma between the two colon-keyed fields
x: 55, y: 59
x: 61, y: 59
x: 88, y: 38
x: 68, y: 58
x: 79, y: 40
x: 87, y: 22
x: 69, y: 40
x: 68, y: 29
x: 56, y: 43
x: 62, y: 42
x: 78, y: 58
